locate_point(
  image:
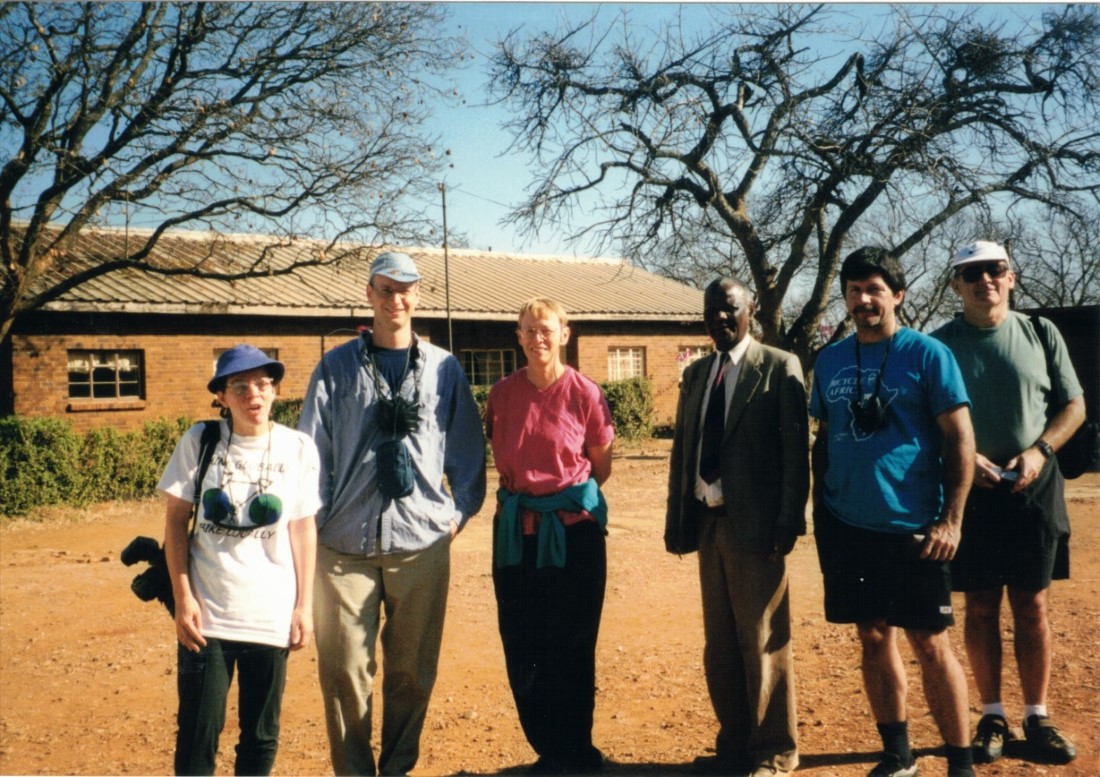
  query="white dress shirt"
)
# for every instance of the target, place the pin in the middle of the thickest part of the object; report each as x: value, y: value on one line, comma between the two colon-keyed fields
x: 712, y: 493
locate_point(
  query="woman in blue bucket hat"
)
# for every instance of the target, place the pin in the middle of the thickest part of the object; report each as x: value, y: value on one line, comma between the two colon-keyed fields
x: 242, y: 572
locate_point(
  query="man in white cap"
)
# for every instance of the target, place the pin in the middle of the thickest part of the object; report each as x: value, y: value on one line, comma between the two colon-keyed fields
x: 392, y: 417
x: 1027, y: 404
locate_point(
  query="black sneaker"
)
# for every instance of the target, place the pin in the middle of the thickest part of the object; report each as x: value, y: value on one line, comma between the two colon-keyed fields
x: 989, y: 741
x: 891, y: 766
x: 1046, y: 741
x: 546, y: 766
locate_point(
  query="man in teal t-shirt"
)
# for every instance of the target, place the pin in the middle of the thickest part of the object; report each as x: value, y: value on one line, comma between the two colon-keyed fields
x: 892, y: 464
x: 1028, y: 403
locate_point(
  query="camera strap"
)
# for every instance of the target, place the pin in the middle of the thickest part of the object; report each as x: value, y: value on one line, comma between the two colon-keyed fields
x: 395, y: 390
x: 878, y: 378
x: 211, y: 435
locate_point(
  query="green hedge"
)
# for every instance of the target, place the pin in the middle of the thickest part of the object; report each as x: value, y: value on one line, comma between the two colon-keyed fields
x: 631, y: 403
x: 44, y: 461
x: 287, y: 412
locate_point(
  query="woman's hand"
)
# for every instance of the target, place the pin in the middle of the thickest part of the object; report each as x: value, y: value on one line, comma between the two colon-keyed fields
x: 189, y: 624
x: 301, y: 627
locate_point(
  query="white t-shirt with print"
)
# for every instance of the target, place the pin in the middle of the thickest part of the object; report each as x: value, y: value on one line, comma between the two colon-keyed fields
x: 241, y: 574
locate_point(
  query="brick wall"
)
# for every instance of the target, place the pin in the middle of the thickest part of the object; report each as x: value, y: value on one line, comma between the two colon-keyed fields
x: 178, y: 359
x: 179, y: 354
x: 176, y: 369
x: 661, y: 349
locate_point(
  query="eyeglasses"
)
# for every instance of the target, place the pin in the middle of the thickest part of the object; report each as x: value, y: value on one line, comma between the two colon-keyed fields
x: 264, y: 509
x: 972, y: 273
x: 388, y: 292
x: 531, y: 333
x: 241, y: 387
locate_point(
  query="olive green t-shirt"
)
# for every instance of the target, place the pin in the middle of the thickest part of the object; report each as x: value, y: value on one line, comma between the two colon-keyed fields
x: 1005, y: 371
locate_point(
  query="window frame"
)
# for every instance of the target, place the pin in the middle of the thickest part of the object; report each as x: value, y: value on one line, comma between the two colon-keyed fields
x: 465, y: 355
x: 97, y: 359
x: 637, y: 358
x: 686, y: 355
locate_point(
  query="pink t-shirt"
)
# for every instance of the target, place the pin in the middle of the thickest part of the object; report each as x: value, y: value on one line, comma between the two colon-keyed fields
x: 540, y: 436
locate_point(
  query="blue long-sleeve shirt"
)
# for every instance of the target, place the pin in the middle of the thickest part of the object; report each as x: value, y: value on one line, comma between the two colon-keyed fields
x: 340, y: 414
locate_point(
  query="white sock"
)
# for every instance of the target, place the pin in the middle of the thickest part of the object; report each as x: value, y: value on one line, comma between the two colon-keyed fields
x: 1034, y: 709
x: 994, y: 709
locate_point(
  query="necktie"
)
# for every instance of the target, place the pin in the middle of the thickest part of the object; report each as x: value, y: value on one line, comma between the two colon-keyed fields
x: 714, y: 425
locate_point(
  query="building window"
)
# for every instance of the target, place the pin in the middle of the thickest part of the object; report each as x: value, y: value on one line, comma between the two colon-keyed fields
x: 689, y: 354
x: 105, y: 375
x: 485, y: 366
x: 623, y: 363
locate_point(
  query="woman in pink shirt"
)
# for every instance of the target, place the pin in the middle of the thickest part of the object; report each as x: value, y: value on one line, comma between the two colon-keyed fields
x: 552, y: 436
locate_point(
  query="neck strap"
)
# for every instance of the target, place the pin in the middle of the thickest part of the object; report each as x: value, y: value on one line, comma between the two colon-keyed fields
x: 878, y: 378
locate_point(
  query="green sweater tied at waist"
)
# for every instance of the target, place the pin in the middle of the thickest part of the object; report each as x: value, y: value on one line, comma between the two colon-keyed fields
x: 551, y: 537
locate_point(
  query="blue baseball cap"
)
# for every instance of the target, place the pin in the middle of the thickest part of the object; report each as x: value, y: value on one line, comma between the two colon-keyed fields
x: 395, y: 266
x: 242, y: 358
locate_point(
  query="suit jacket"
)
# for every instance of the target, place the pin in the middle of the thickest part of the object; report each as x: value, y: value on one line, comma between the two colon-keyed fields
x: 765, y: 451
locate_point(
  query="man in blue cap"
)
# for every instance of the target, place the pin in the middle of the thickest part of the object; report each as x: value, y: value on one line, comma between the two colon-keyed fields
x: 392, y: 416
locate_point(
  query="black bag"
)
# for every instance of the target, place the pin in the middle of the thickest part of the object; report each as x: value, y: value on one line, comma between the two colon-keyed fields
x: 154, y: 582
x: 395, y: 470
x: 1081, y: 453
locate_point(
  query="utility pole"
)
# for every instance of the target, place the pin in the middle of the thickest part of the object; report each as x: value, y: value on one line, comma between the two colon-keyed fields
x: 447, y: 269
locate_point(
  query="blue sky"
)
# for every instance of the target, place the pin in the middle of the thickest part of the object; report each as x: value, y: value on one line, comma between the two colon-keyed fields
x: 485, y: 181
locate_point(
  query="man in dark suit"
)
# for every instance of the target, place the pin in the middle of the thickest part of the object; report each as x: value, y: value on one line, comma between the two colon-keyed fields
x: 738, y: 483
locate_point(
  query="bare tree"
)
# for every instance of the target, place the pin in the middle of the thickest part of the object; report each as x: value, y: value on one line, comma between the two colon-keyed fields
x: 790, y: 133
x: 287, y: 119
x: 1057, y: 257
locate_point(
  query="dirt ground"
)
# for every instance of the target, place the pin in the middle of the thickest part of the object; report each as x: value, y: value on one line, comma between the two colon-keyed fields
x: 87, y: 680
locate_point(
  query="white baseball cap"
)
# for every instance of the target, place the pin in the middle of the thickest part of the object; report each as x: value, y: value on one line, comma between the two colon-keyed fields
x: 980, y: 251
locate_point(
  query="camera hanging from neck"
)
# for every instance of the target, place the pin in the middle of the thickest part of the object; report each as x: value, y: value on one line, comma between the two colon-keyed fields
x: 397, y: 415
x: 870, y: 414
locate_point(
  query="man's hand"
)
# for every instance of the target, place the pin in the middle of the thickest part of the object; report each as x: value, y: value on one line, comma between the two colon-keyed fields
x: 782, y: 544
x: 941, y: 540
x: 1029, y: 464
x: 986, y: 473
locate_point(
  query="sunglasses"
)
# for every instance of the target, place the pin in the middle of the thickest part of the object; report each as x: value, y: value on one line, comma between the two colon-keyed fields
x: 972, y: 273
x: 264, y: 509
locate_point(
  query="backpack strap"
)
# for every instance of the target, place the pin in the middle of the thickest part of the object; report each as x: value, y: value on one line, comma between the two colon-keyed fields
x: 1041, y: 333
x: 211, y: 435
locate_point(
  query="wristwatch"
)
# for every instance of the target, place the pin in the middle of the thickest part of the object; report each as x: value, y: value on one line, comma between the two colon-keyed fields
x: 1044, y: 448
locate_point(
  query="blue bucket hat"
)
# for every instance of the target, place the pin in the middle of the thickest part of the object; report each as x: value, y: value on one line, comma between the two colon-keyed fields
x: 242, y: 358
x: 395, y: 266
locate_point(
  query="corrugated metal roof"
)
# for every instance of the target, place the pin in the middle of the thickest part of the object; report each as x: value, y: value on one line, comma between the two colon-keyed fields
x: 484, y: 285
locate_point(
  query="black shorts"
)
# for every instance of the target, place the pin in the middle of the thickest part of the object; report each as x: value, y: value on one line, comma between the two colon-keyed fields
x: 1020, y: 540
x: 872, y: 575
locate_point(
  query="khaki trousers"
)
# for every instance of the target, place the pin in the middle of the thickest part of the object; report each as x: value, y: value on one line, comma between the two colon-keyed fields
x: 747, y: 658
x: 350, y: 595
